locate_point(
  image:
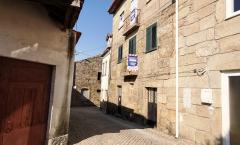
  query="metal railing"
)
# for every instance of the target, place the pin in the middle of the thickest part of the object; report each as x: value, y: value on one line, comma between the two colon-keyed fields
x: 132, y: 20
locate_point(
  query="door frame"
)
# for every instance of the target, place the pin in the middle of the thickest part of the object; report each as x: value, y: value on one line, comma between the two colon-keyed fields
x: 226, y: 105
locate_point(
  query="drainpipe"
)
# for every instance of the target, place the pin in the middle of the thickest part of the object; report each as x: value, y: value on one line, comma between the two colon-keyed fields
x: 177, y: 73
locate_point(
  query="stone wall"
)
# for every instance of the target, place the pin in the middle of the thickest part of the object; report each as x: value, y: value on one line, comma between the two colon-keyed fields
x: 209, y: 42
x: 156, y: 68
x: 86, y: 77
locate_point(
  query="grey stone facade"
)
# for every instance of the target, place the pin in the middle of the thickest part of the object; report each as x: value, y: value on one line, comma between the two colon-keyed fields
x: 87, y: 82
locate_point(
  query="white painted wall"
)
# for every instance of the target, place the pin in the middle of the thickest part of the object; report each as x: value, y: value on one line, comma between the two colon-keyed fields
x: 105, y: 77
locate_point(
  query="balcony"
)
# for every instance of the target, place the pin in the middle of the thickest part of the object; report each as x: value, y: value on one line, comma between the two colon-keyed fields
x: 132, y: 22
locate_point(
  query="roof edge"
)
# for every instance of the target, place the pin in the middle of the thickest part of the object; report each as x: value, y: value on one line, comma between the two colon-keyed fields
x: 115, y: 5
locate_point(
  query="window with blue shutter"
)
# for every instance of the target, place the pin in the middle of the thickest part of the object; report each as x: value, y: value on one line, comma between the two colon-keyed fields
x: 151, y: 38
x: 120, y: 54
x: 236, y: 5
x: 132, y: 45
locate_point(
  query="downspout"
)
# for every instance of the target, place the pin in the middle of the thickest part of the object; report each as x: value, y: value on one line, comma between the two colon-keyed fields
x: 177, y: 73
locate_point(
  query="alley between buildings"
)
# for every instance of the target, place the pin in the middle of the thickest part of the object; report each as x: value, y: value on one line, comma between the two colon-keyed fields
x: 89, y: 126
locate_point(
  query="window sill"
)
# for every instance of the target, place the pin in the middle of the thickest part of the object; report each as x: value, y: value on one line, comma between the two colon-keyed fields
x: 232, y: 15
x: 149, y: 51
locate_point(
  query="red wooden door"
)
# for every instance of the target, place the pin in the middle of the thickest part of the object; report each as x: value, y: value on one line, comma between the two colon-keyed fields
x: 24, y: 94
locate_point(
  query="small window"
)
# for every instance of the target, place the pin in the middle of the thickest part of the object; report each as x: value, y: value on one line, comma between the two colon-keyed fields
x: 173, y: 1
x: 120, y: 54
x: 121, y: 20
x: 99, y: 76
x: 132, y: 45
x: 233, y: 8
x: 152, y: 95
x: 151, y: 38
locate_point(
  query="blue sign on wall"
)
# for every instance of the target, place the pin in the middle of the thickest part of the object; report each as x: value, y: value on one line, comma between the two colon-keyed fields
x: 132, y: 62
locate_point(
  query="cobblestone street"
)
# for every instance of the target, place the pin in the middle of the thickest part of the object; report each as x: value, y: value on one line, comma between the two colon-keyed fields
x: 89, y: 126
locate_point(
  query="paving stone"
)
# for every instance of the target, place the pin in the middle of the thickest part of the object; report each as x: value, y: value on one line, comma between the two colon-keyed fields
x: 89, y: 126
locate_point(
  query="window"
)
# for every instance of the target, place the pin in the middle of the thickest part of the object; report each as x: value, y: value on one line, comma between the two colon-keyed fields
x: 236, y: 5
x: 233, y: 8
x: 121, y: 21
x: 152, y: 95
x: 99, y: 76
x: 173, y: 1
x: 132, y: 45
x: 151, y: 38
x: 120, y: 54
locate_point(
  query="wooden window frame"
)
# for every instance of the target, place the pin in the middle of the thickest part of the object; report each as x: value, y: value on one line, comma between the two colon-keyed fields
x: 132, y: 47
x: 150, y: 46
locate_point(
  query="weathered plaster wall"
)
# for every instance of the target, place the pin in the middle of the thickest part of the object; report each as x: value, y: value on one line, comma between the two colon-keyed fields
x: 27, y: 33
x: 207, y: 40
x: 156, y: 68
x: 86, y: 77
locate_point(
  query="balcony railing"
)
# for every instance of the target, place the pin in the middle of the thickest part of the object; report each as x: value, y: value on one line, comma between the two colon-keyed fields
x: 132, y: 22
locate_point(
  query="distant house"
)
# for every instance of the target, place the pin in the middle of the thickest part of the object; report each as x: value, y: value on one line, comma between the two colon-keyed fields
x: 106, y: 56
x: 87, y: 82
x: 36, y: 58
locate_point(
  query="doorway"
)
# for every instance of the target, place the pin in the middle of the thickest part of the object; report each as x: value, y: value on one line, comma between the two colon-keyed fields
x: 85, y: 93
x: 119, y: 99
x: 152, y: 106
x: 231, y: 108
x: 24, y: 106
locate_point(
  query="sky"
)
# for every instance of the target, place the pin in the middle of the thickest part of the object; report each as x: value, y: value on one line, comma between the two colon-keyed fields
x: 95, y: 23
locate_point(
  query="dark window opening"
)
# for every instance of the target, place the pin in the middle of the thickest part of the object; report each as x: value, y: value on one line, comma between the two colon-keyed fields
x: 120, y: 54
x: 173, y: 1
x: 99, y: 76
x: 236, y: 5
x: 98, y: 91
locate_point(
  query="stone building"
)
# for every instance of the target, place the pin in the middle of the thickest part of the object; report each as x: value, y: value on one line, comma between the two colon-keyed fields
x: 142, y: 80
x: 36, y: 58
x: 87, y: 85
x: 209, y: 47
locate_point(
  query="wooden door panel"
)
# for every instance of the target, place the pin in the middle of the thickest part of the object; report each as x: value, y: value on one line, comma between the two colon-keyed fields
x: 16, y: 137
x: 25, y: 90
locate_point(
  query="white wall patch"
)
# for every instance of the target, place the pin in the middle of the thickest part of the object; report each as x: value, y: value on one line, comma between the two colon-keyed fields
x: 187, y: 93
x: 207, y: 96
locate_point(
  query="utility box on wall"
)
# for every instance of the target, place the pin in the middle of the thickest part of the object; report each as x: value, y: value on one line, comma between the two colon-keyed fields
x: 206, y: 96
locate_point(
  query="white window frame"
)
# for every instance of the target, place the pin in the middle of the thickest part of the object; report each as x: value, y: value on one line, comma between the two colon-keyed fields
x: 230, y: 9
x: 226, y: 106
